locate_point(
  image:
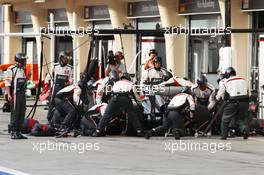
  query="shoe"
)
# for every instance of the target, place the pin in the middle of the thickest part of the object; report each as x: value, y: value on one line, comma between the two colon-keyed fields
x: 231, y: 133
x: 22, y: 136
x: 176, y: 135
x: 148, y: 134
x: 14, y: 135
x: 17, y: 135
x: 140, y: 133
x: 245, y: 134
x: 223, y: 138
x: 76, y: 133
x: 98, y: 133
x: 9, y: 129
x: 63, y: 132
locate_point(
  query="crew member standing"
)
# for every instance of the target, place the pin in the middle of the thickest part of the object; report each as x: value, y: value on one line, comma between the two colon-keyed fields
x: 15, y: 82
x: 60, y: 78
x: 117, y: 68
x: 155, y: 72
x: 234, y: 91
x: 152, y: 54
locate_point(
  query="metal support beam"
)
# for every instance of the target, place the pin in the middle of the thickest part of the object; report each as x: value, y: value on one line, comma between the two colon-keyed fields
x: 227, y: 21
x: 172, y: 30
x: 52, y: 39
x: 19, y: 34
x: 74, y: 43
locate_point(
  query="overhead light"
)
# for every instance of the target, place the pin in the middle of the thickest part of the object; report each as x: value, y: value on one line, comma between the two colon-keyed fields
x: 39, y: 1
x: 7, y: 4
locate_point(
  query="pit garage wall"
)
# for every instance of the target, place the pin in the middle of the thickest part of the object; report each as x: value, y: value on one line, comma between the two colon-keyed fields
x: 39, y: 16
x: 175, y: 46
x: 82, y: 51
x: 11, y: 44
x: 1, y: 30
x: 118, y: 15
x: 239, y: 41
x: 39, y: 19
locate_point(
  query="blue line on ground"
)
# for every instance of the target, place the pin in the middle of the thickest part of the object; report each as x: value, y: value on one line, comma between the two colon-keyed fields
x: 5, y: 173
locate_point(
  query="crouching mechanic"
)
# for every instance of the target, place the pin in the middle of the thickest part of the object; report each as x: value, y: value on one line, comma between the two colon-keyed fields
x: 60, y: 78
x: 181, y: 107
x: 204, y: 93
x: 15, y: 82
x: 66, y: 101
x: 234, y: 91
x: 123, y: 90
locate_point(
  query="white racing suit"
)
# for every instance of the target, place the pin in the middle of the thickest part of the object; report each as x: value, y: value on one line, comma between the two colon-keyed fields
x: 152, y: 103
x: 234, y: 91
x: 66, y: 101
x: 88, y: 121
x: 204, y: 97
x: 178, y: 82
x: 205, y: 104
x: 15, y: 78
x: 152, y: 73
x: 122, y: 90
x: 61, y: 77
x: 173, y: 86
x: 177, y: 112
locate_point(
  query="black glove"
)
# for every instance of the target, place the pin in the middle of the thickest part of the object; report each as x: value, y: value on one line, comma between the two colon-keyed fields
x: 140, y: 107
x: 213, y: 109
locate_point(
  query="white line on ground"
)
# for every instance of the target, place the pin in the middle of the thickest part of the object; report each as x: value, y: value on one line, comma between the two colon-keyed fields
x: 257, y: 139
x: 11, y: 171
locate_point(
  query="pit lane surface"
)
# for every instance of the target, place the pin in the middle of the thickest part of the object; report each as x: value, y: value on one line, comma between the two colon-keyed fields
x: 127, y: 155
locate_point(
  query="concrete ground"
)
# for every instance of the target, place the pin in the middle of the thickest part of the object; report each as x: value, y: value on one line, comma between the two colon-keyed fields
x: 127, y: 155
